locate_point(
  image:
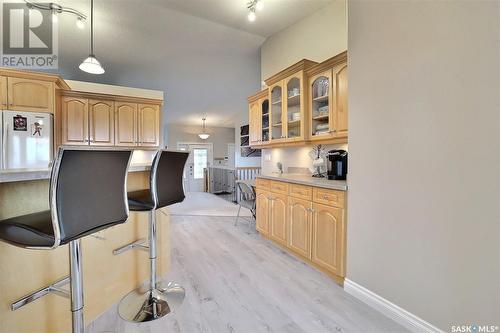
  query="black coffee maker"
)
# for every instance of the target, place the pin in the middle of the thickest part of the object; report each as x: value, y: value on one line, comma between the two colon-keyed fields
x: 337, y: 164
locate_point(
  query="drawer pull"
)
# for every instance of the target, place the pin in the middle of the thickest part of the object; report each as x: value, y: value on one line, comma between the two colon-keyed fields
x: 325, y: 196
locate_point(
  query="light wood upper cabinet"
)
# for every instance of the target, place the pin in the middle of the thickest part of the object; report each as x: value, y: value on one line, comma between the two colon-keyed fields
x: 30, y: 95
x: 340, y: 100
x: 254, y: 123
x: 262, y: 213
x: 294, y: 114
x: 276, y: 112
x: 149, y: 125
x: 3, y: 92
x: 125, y: 124
x: 321, y: 115
x: 278, y: 218
x: 328, y: 241
x: 300, y: 226
x: 75, y: 117
x: 102, y: 122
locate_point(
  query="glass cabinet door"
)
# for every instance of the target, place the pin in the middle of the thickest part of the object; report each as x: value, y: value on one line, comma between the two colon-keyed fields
x: 320, y: 105
x: 276, y: 113
x: 293, y: 107
x: 264, y: 105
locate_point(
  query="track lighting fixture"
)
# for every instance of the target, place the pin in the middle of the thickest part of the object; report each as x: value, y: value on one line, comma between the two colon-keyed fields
x: 252, y: 7
x: 57, y: 9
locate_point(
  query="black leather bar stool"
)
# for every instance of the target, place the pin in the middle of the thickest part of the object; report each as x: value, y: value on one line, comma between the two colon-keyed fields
x: 152, y: 301
x: 87, y: 194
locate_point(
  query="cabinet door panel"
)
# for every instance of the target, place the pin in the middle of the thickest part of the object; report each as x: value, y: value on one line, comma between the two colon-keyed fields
x: 300, y: 226
x: 328, y: 238
x: 278, y: 218
x: 321, y: 113
x: 262, y: 214
x: 340, y: 94
x: 125, y: 124
x: 149, y: 127
x: 30, y: 95
x: 102, y: 122
x: 3, y: 92
x: 75, y: 130
x: 254, y: 127
x: 294, y: 110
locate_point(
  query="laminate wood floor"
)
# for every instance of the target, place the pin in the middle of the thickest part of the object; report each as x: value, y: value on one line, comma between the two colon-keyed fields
x: 237, y: 281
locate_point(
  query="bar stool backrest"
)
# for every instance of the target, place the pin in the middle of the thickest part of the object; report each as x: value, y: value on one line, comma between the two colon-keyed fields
x: 167, y: 177
x: 88, y: 191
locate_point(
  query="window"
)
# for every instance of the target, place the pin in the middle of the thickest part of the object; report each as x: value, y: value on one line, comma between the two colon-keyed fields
x: 200, y: 156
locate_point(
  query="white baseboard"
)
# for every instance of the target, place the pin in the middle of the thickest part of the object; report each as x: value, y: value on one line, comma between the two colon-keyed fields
x: 391, y: 310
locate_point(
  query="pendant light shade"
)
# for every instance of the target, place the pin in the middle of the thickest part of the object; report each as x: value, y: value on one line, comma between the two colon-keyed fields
x: 204, y: 135
x: 91, y: 65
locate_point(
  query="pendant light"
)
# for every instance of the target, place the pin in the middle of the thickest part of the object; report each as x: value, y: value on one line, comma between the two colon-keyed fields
x: 91, y: 65
x: 204, y: 135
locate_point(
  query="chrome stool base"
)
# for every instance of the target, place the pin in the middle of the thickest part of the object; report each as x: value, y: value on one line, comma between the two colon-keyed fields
x: 143, y: 305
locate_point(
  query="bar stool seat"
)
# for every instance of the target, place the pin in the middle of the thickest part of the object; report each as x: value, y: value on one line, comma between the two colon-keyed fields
x: 87, y: 194
x: 141, y: 200
x: 28, y: 230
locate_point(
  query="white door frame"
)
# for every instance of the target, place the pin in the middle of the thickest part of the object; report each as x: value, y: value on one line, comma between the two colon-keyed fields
x: 210, y: 161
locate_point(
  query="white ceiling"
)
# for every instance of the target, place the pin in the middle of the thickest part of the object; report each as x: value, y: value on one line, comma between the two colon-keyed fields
x: 182, y: 47
x: 276, y: 15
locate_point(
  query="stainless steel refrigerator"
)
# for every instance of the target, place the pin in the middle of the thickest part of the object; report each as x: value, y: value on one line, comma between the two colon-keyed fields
x: 25, y: 140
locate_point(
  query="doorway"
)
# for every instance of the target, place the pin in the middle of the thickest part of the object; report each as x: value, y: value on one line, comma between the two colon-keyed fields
x: 200, y: 158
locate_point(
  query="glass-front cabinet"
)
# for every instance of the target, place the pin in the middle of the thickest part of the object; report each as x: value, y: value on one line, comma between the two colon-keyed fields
x: 295, y: 107
x: 276, y: 112
x: 258, y: 118
x: 264, y: 119
x: 321, y: 105
x: 305, y: 103
x: 328, y: 103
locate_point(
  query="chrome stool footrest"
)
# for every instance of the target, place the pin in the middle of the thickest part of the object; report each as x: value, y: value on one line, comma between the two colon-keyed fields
x: 143, y: 304
x: 54, y: 288
x: 138, y: 244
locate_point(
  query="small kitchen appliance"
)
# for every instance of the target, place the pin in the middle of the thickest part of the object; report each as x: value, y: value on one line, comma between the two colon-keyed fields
x: 337, y: 164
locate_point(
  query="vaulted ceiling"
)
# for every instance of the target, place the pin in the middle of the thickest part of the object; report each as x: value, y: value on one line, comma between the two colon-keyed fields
x: 203, y: 54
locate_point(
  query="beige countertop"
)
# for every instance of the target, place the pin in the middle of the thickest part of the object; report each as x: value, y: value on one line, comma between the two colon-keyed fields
x: 22, y: 175
x: 302, y: 179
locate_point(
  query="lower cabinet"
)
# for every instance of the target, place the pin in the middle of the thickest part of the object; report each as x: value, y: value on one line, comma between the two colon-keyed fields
x: 300, y: 226
x: 263, y: 199
x: 328, y: 238
x: 277, y: 215
x: 310, y: 225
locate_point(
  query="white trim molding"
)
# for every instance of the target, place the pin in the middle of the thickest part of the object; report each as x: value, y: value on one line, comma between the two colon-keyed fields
x: 391, y: 310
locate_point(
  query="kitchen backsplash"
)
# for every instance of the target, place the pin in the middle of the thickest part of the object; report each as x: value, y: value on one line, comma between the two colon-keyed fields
x: 294, y: 159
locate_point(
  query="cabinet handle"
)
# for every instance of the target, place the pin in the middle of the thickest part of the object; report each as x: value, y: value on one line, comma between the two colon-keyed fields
x: 325, y: 196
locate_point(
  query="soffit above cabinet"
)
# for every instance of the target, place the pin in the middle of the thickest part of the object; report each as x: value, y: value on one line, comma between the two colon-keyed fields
x: 82, y: 87
x: 11, y: 72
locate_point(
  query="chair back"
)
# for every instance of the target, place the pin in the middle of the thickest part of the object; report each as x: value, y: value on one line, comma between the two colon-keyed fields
x: 247, y: 192
x: 88, y: 191
x: 167, y: 186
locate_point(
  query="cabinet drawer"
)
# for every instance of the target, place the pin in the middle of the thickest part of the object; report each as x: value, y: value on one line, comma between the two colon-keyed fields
x: 279, y: 187
x: 329, y: 197
x: 263, y: 183
x: 301, y: 191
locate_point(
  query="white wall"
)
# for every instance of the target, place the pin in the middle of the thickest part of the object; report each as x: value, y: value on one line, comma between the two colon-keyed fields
x: 317, y: 37
x: 424, y: 136
x: 219, y: 136
x: 295, y: 157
